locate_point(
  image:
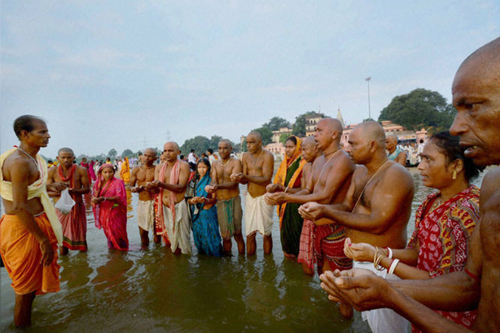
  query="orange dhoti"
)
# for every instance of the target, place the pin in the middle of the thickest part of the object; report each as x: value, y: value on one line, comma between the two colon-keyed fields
x: 22, y: 256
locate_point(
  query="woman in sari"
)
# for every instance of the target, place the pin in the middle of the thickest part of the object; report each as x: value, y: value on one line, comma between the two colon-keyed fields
x: 443, y: 223
x: 204, y: 213
x: 288, y: 179
x: 109, y: 203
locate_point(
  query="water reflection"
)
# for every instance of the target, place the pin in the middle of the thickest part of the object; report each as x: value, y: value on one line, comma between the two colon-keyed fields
x: 155, y: 290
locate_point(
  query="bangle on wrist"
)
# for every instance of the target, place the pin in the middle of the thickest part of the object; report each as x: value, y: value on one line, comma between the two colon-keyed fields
x: 389, y: 252
x: 394, y: 263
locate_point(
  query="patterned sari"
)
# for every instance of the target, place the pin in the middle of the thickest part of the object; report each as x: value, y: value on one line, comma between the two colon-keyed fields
x: 289, y: 175
x: 443, y: 237
x: 205, y: 224
x: 111, y: 216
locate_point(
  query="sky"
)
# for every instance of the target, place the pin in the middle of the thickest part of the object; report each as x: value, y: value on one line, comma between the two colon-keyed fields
x: 130, y: 74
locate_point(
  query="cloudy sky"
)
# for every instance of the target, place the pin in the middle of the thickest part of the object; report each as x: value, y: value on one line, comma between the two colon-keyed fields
x: 128, y: 74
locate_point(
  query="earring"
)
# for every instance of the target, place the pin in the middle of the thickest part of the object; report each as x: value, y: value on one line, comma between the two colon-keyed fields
x: 454, y: 176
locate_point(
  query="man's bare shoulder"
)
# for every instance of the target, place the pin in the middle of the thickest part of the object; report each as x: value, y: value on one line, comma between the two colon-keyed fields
x: 491, y: 183
x: 396, y: 176
x: 81, y: 169
x: 15, y: 164
x: 184, y: 166
x: 343, y: 160
x: 52, y: 170
x: 245, y: 156
x: 136, y: 169
x: 234, y: 162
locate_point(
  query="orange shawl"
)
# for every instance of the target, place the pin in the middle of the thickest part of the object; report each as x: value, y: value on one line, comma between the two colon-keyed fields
x: 280, y: 176
x: 174, y: 179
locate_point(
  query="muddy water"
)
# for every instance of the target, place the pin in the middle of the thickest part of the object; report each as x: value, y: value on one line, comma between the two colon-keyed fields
x: 154, y: 290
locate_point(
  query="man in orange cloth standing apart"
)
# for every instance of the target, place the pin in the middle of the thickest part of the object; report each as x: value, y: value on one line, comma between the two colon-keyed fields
x: 30, y: 230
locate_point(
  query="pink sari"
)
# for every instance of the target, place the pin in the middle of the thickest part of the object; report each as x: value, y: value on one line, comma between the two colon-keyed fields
x: 111, y: 216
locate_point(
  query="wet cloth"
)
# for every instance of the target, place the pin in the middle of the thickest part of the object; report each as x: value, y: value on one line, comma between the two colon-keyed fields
x: 178, y: 227
x: 21, y: 255
x: 111, y: 215
x: 443, y: 236
x: 36, y: 190
x: 161, y: 228
x: 146, y: 215
x: 306, y: 247
x: 258, y: 216
x: 329, y: 243
x: 74, y: 227
x: 205, y: 225
x: 74, y: 224
x: 229, y: 214
x: 383, y: 320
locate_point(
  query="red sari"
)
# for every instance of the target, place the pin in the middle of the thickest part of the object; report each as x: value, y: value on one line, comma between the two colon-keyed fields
x: 111, y: 216
x: 443, y: 236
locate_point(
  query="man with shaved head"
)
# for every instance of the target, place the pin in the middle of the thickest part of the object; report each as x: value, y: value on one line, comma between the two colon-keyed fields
x: 476, y: 96
x: 331, y: 176
x: 141, y: 175
x: 258, y: 167
x: 394, y: 153
x: 229, y: 212
x: 74, y: 224
x: 375, y: 210
x: 171, y: 179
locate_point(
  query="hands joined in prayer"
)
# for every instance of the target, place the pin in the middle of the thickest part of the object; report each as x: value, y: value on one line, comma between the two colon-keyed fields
x: 138, y: 189
x: 238, y: 177
x: 211, y: 188
x: 311, y: 211
x: 358, y: 287
x: 276, y: 198
x: 359, y: 251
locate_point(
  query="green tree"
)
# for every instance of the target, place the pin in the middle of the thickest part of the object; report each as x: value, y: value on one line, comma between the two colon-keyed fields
x: 214, y: 142
x: 283, y: 138
x: 112, y: 153
x: 420, y: 108
x: 127, y: 153
x: 199, y: 143
x: 276, y: 123
x: 299, y: 127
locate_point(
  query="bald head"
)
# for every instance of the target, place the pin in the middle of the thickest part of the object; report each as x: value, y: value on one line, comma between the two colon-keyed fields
x: 308, y: 141
x: 255, y: 135
x: 486, y: 59
x: 371, y: 131
x: 226, y: 142
x: 332, y: 124
x: 172, y: 144
x: 150, y: 151
x: 66, y: 150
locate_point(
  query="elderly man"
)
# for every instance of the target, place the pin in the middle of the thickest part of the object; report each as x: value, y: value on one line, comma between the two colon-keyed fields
x: 476, y: 96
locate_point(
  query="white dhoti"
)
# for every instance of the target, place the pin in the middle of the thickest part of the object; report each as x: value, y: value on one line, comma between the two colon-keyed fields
x: 383, y: 320
x: 258, y: 215
x: 146, y: 215
x: 179, y: 232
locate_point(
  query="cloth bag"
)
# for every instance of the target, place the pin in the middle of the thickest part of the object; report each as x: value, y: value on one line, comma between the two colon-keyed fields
x: 65, y: 203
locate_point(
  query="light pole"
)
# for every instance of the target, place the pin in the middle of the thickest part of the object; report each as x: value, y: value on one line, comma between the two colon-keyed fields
x: 369, y: 111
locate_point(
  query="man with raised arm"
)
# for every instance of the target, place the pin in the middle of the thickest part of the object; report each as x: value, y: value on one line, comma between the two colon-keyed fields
x: 476, y: 96
x: 171, y: 178
x: 141, y: 175
x: 258, y: 166
x: 30, y: 230
x: 229, y: 210
x: 376, y: 208
x: 74, y: 223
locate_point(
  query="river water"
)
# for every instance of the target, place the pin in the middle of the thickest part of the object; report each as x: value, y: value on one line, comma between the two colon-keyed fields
x: 154, y: 290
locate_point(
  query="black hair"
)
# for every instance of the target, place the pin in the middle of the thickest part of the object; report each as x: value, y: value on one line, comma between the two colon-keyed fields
x: 205, y: 161
x: 210, y: 150
x: 449, y: 145
x: 292, y: 138
x: 25, y: 123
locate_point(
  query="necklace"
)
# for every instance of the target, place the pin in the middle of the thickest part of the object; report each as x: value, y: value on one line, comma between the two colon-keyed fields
x: 31, y: 157
x: 367, y: 183
x: 323, y: 169
x: 229, y: 160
